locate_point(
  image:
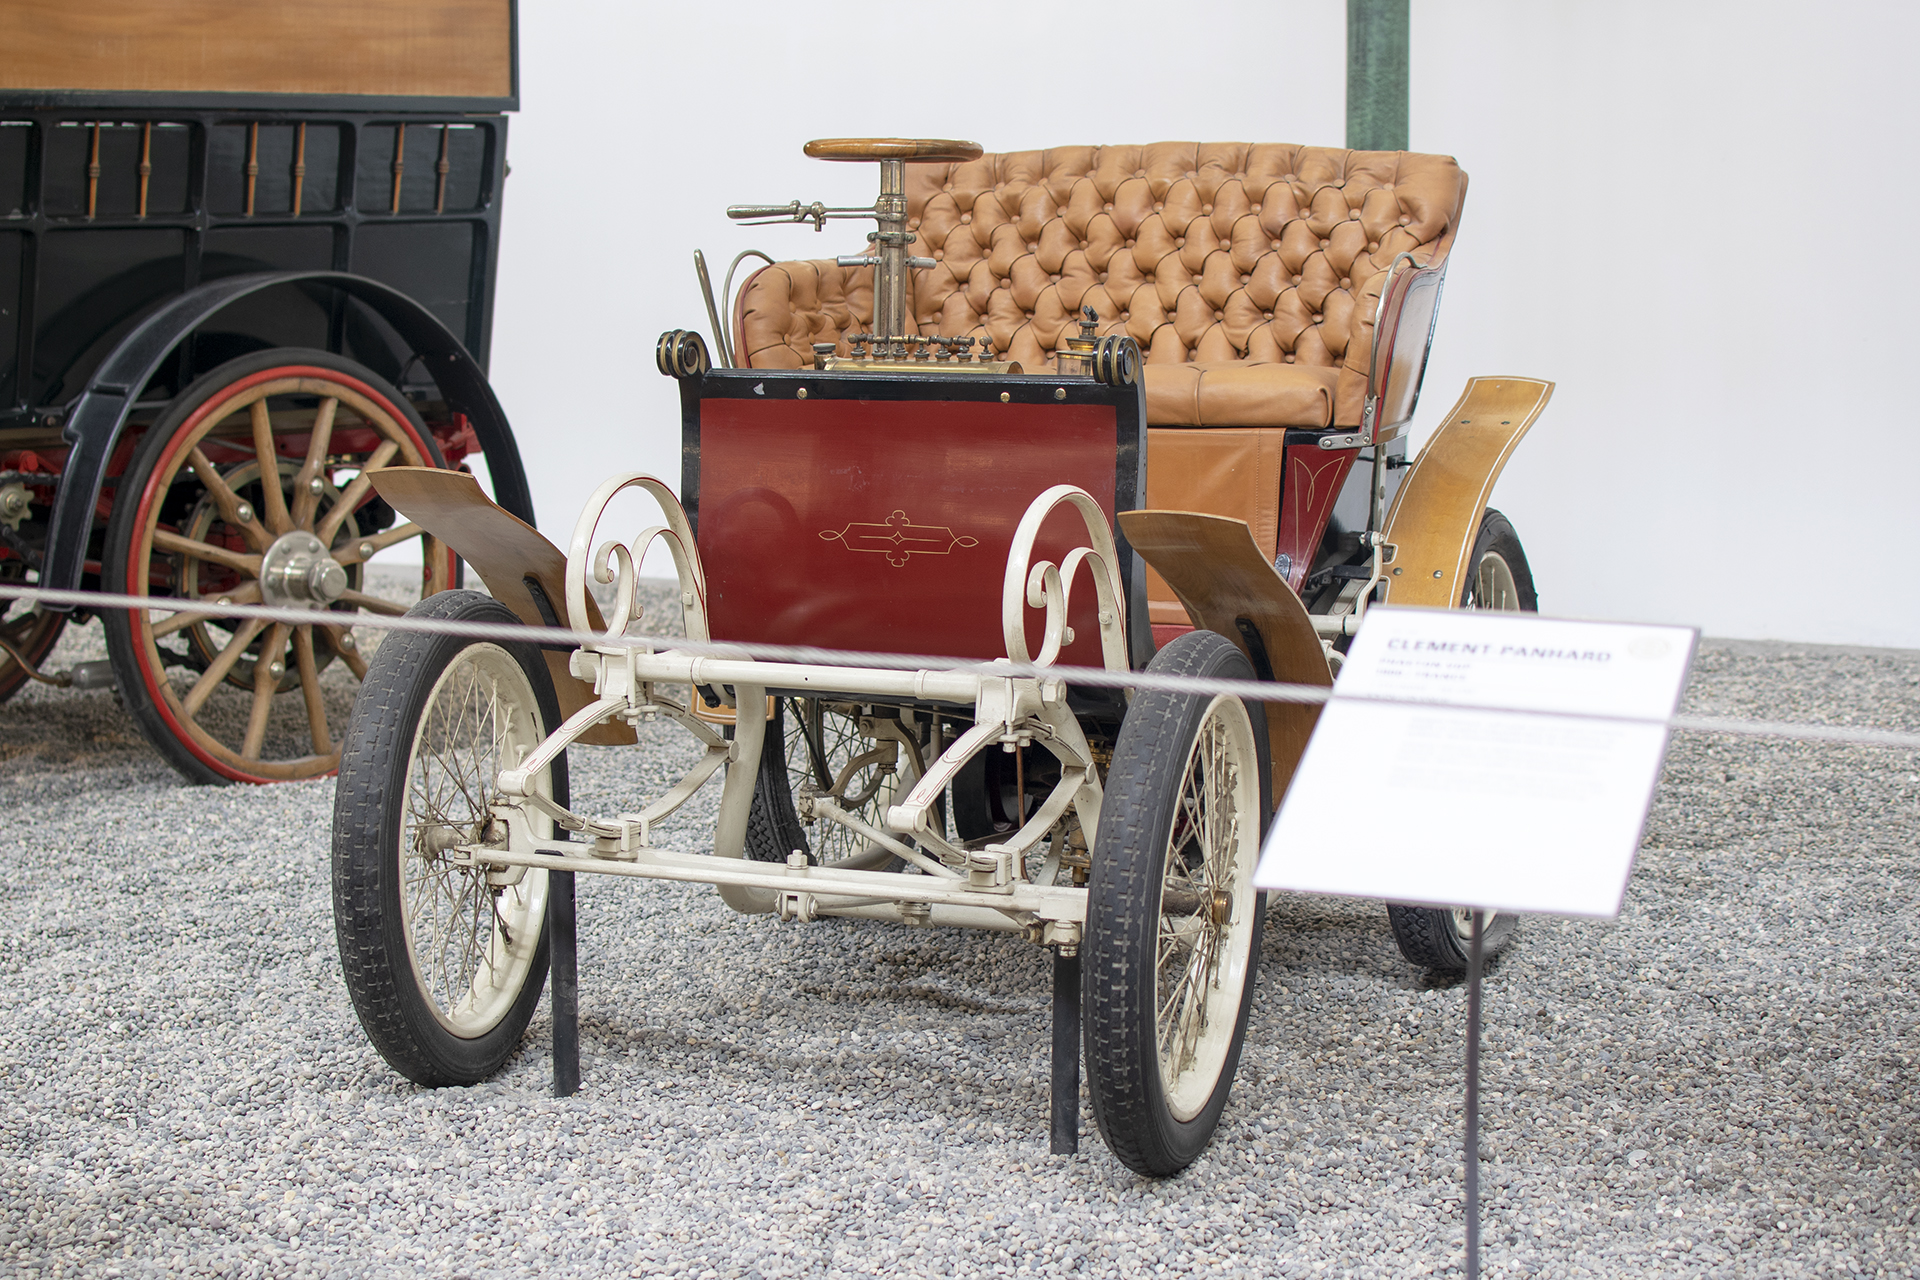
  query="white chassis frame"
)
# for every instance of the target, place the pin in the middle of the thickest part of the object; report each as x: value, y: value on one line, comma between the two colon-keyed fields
x: 985, y: 887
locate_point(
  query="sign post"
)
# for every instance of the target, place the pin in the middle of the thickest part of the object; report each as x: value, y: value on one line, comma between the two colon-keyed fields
x: 1551, y: 731
x: 1474, y: 957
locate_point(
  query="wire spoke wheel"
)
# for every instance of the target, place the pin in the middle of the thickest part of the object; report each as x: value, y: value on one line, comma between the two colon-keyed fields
x: 817, y: 745
x: 1438, y: 938
x: 444, y: 960
x: 1173, y: 919
x: 1203, y: 893
x: 471, y: 941
x: 1492, y: 585
x: 255, y: 488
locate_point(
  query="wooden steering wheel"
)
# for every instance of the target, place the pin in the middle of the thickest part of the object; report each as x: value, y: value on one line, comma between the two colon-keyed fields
x: 911, y: 149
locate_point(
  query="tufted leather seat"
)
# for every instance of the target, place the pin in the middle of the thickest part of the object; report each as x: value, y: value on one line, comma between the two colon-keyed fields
x: 1248, y: 273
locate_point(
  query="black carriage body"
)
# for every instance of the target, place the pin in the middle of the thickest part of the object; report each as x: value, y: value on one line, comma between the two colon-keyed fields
x: 109, y: 209
x: 148, y: 237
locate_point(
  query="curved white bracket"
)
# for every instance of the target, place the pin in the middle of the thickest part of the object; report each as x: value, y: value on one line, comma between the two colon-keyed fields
x: 615, y: 562
x: 1046, y: 586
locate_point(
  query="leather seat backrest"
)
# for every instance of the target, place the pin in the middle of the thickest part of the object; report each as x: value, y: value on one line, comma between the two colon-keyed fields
x: 1205, y: 253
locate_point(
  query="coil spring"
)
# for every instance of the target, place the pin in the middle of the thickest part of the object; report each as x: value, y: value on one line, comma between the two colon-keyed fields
x: 1116, y: 361
x: 682, y: 353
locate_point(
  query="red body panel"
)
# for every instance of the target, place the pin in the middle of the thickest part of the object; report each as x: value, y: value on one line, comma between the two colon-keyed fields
x: 1313, y: 480
x: 885, y: 525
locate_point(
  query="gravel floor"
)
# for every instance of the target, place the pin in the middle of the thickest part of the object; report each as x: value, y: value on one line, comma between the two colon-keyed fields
x: 1721, y: 1084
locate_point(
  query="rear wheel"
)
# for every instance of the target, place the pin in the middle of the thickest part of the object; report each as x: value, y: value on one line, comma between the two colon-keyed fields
x: 27, y: 631
x: 1499, y: 577
x: 1173, y: 919
x: 253, y: 488
x: 1437, y: 938
x: 818, y: 744
x: 444, y: 963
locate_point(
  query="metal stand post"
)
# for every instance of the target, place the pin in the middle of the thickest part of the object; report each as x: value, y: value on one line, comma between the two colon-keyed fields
x: 563, y: 967
x: 1066, y: 1052
x: 1473, y: 1097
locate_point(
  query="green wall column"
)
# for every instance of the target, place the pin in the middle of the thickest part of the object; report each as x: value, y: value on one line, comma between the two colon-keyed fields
x: 1377, y: 75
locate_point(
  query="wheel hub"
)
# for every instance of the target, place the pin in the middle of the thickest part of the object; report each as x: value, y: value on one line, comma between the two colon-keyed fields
x: 297, y: 573
x: 15, y: 503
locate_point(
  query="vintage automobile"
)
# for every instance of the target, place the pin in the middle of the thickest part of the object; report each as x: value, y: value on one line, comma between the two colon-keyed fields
x: 246, y: 257
x: 951, y: 510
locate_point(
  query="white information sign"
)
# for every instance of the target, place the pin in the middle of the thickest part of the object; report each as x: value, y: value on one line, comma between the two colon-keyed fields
x: 1478, y: 759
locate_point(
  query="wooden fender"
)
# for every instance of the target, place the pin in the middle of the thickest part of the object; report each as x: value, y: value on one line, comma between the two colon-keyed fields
x: 505, y: 551
x: 1226, y: 584
x: 1436, y: 515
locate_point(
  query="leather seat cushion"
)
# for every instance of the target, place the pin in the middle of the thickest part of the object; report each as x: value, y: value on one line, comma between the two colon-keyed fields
x: 1242, y: 393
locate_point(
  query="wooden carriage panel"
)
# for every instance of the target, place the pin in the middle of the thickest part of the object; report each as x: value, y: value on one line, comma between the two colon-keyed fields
x: 383, y: 48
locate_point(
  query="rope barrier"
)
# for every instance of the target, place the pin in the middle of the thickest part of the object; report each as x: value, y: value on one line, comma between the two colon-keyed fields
x: 1087, y: 677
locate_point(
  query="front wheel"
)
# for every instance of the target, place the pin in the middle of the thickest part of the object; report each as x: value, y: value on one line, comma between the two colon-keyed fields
x: 1173, y: 919
x: 1437, y: 938
x: 445, y: 963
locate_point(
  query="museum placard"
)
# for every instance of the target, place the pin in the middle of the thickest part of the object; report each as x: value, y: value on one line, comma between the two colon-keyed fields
x: 1502, y: 760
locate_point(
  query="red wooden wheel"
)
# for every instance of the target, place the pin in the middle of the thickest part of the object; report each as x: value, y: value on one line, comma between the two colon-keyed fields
x: 253, y: 488
x: 27, y: 630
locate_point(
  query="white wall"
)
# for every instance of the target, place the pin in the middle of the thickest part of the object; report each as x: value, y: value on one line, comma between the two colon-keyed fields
x: 1687, y: 215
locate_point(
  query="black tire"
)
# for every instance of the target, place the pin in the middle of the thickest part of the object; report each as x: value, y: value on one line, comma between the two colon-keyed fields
x: 1498, y: 543
x: 1437, y: 938
x: 986, y: 800
x: 789, y: 759
x: 406, y: 1014
x: 288, y: 729
x: 774, y: 829
x: 1155, y: 1129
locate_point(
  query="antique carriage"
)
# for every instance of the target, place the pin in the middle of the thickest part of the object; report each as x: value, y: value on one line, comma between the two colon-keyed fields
x: 1075, y: 421
x: 246, y: 257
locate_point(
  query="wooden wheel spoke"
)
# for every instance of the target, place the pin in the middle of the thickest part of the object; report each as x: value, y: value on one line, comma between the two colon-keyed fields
x: 310, y: 690
x: 273, y: 502
x: 378, y: 542
x: 305, y: 500
x: 238, y: 561
x: 227, y: 500
x: 355, y: 663
x: 355, y: 493
x: 264, y: 682
x: 222, y: 663
x: 372, y: 604
x: 248, y: 594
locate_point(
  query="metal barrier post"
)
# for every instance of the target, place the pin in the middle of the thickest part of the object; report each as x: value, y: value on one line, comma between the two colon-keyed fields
x: 563, y: 966
x: 1065, y: 1139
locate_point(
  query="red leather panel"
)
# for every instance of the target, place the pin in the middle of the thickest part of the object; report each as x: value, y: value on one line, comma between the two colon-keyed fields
x: 885, y: 525
x: 1313, y: 479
